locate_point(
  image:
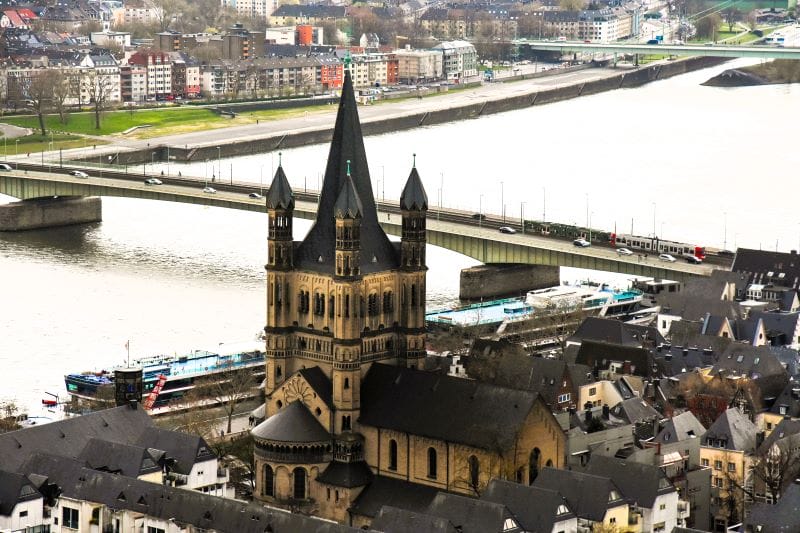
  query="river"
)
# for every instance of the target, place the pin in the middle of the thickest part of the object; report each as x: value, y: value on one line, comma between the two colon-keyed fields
x: 710, y: 165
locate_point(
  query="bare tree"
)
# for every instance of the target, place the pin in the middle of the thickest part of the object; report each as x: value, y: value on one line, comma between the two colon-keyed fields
x: 39, y: 92
x: 708, y: 25
x: 100, y: 87
x: 168, y: 11
x: 225, y: 388
x: 62, y: 90
x: 8, y: 416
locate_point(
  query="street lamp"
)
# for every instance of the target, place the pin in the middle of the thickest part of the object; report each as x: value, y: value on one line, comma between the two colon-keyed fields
x: 725, y: 231
x: 480, y: 210
x: 261, y: 179
x: 544, y: 204
x: 590, y: 225
x: 522, y: 216
x: 587, y: 209
x: 502, y: 202
x: 654, y: 219
x: 219, y: 162
x: 441, y: 193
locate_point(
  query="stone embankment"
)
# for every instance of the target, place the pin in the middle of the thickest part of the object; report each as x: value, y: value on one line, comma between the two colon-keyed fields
x: 49, y: 212
x: 624, y: 79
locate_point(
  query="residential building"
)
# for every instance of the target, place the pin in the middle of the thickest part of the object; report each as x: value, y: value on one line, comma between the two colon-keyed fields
x: 418, y: 66
x: 121, y: 39
x: 101, y: 79
x: 249, y: 8
x: 292, y: 14
x: 159, y: 73
x: 133, y: 83
x: 459, y: 60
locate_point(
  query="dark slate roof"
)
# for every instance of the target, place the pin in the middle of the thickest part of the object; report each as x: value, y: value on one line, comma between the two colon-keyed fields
x: 535, y: 508
x: 293, y: 423
x: 778, y: 325
x: 280, y: 195
x: 735, y: 429
x: 470, y: 515
x: 14, y: 489
x: 456, y: 410
x: 414, y: 197
x: 786, y: 435
x: 203, y: 511
x: 346, y: 475
x: 789, y: 398
x: 318, y: 381
x: 67, y: 438
x: 313, y: 11
x: 753, y: 361
x: 758, y: 264
x: 316, y: 252
x: 118, y: 458
x: 634, y: 410
x: 616, y: 332
x: 673, y: 359
x: 681, y: 427
x: 394, y: 492
x: 639, y: 482
x: 690, y: 306
x: 588, y: 495
x: 184, y: 448
x: 348, y: 204
x: 599, y: 355
x: 394, y: 520
x: 783, y: 517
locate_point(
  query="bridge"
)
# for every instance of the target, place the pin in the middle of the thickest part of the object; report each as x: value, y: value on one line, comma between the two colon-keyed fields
x: 448, y: 228
x: 715, y: 50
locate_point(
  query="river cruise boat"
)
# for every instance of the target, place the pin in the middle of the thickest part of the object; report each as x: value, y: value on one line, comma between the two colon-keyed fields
x: 179, y: 373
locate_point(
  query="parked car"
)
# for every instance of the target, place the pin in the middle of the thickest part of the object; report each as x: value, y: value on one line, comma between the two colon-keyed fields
x: 210, y: 190
x: 583, y: 243
x: 153, y: 181
x: 5, y: 166
x: 666, y: 257
x: 693, y: 259
x: 506, y: 229
x: 254, y: 195
x: 78, y: 173
x: 624, y: 251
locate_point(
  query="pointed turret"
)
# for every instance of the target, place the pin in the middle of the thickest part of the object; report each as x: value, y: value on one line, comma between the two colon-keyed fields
x: 317, y: 251
x: 414, y: 197
x: 280, y: 195
x: 348, y: 211
x: 280, y: 209
x: 413, y: 205
x: 348, y: 205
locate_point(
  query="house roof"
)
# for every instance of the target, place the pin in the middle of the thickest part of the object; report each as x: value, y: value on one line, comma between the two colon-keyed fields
x: 472, y: 516
x: 294, y: 423
x: 634, y: 410
x: 184, y: 448
x: 752, y: 361
x: 15, y: 488
x: 316, y: 252
x: 615, y: 332
x: 766, y: 267
x: 318, y: 381
x: 536, y: 508
x: 413, y: 197
x: 457, y: 410
x: 118, y: 458
x: 599, y: 355
x: 639, y: 482
x: 680, y: 427
x: 394, y: 520
x: 393, y: 492
x: 789, y: 400
x: 589, y: 496
x: 783, y: 517
x: 346, y: 475
x: 734, y: 429
x: 280, y: 195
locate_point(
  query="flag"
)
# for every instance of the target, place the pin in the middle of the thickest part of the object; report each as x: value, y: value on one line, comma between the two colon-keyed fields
x: 127, y: 345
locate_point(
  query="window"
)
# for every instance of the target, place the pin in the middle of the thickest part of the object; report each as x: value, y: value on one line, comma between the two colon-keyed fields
x: 592, y: 391
x: 23, y: 514
x: 564, y: 397
x: 346, y: 383
x: 269, y: 481
x: 346, y: 423
x: 717, y: 465
x: 299, y: 483
x: 718, y: 482
x: 662, y: 506
x: 474, y: 472
x: 69, y: 517
x: 151, y: 529
x: 431, y: 463
x: 731, y: 467
x: 705, y: 462
x: 392, y: 454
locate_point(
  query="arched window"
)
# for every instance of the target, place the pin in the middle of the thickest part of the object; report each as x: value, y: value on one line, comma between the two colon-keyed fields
x: 549, y: 463
x: 299, y: 483
x: 346, y: 423
x: 520, y: 474
x: 534, y: 465
x: 346, y: 383
x: 279, y: 404
x: 269, y: 481
x: 431, y: 463
x: 392, y: 454
x: 474, y: 472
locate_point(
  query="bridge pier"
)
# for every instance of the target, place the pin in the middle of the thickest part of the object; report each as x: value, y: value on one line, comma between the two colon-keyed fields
x: 38, y: 213
x: 500, y: 280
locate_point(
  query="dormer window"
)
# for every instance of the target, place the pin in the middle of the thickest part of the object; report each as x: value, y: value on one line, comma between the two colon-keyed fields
x: 562, y: 509
x: 614, y: 496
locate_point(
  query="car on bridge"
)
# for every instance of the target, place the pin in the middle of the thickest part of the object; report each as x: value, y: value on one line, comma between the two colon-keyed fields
x: 693, y: 259
x: 478, y: 216
x: 255, y: 196
x: 667, y: 257
x: 153, y: 181
x: 5, y: 166
x: 209, y: 190
x: 583, y: 243
x: 624, y: 251
x: 78, y: 173
x: 506, y: 229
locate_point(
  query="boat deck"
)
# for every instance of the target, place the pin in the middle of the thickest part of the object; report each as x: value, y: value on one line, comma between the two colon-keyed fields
x: 491, y: 312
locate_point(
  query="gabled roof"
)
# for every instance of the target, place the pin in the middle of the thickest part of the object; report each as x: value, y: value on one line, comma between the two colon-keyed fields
x: 615, y: 332
x: 783, y: 517
x: 318, y: 381
x: 788, y: 401
x: 472, y: 516
x: 635, y: 410
x: 752, y: 361
x: 118, y: 458
x: 456, y: 410
x: 346, y: 475
x: 185, y: 449
x: 766, y: 267
x: 734, y: 430
x: 14, y: 489
x: 536, y: 508
x: 414, y: 197
x: 394, y: 520
x: 681, y: 427
x: 280, y: 195
x: 639, y: 482
x: 393, y: 492
x: 292, y: 424
x: 67, y: 438
x: 599, y: 355
x: 589, y: 496
x: 786, y: 435
x: 316, y: 252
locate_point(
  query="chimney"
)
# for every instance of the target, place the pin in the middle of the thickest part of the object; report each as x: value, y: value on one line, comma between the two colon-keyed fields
x: 606, y: 411
x: 133, y: 404
x: 588, y: 415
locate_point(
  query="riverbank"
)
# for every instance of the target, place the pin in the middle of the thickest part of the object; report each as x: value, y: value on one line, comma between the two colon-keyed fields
x: 397, y: 117
x: 775, y: 72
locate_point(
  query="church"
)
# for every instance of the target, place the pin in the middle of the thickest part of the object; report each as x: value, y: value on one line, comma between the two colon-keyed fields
x: 352, y: 422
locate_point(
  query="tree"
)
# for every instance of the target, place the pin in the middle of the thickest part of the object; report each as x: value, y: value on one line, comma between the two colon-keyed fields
x: 167, y: 11
x: 708, y: 25
x: 8, y: 414
x: 100, y: 87
x: 571, y: 5
x: 39, y: 90
x: 731, y: 16
x: 226, y: 388
x: 62, y: 90
x: 772, y: 469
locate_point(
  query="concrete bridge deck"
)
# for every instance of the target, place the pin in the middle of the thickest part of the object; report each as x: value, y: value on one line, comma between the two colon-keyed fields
x: 456, y: 230
x: 710, y: 50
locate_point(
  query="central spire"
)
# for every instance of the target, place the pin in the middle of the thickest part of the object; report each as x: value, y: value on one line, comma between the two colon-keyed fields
x: 316, y: 253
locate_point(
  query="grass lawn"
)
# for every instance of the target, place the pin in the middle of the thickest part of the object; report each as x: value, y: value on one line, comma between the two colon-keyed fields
x: 38, y: 143
x: 163, y: 121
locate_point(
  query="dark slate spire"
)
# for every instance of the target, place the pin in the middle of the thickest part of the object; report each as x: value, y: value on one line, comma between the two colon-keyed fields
x: 414, y: 197
x: 348, y: 204
x: 280, y: 194
x: 347, y: 144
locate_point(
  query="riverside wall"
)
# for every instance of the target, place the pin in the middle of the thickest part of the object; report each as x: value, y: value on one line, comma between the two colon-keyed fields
x: 622, y: 80
x: 501, y: 280
x: 50, y: 212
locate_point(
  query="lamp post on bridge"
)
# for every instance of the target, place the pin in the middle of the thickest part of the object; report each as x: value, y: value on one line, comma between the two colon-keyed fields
x: 219, y: 162
x: 480, y: 210
x: 502, y: 202
x: 522, y: 217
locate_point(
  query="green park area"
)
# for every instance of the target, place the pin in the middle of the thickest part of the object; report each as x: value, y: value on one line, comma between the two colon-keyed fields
x: 153, y: 122
x: 38, y: 143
